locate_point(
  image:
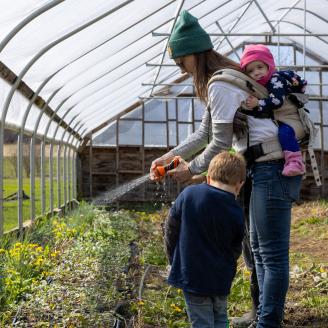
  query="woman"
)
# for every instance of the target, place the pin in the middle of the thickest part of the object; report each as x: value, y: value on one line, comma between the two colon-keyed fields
x: 272, y: 194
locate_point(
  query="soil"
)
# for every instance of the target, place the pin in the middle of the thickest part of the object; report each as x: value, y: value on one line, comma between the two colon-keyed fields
x: 310, y: 245
x: 303, y: 318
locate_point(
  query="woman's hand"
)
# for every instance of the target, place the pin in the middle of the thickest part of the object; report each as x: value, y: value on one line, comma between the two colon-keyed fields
x: 165, y: 159
x: 252, y: 102
x: 181, y: 173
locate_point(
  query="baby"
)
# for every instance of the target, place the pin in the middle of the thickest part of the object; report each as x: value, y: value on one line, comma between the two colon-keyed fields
x: 257, y: 62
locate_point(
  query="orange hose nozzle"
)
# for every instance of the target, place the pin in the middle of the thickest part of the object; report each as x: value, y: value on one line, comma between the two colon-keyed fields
x: 162, y: 170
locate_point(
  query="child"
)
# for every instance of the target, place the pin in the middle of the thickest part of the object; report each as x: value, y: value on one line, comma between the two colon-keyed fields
x: 257, y: 62
x: 203, y: 235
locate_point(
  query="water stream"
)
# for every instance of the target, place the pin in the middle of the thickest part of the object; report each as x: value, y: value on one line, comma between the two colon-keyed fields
x: 113, y: 194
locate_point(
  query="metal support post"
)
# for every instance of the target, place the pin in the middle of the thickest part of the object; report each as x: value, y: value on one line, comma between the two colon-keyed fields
x: 65, y: 177
x: 32, y: 179
x: 74, y: 164
x: 51, y: 176
x: 69, y: 176
x: 90, y: 168
x: 20, y: 185
x: 58, y: 177
x: 43, y: 184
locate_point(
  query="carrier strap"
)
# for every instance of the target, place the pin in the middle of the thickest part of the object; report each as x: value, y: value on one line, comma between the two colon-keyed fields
x: 247, y: 84
x: 240, y: 80
x: 268, y: 150
x: 314, y: 165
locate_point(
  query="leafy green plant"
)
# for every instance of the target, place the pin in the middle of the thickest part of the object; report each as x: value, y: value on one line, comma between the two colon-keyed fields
x: 85, y: 264
x: 162, y: 308
x: 23, y: 265
x: 239, y: 298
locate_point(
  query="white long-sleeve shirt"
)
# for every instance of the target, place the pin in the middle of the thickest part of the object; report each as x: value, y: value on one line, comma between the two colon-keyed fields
x: 215, y: 133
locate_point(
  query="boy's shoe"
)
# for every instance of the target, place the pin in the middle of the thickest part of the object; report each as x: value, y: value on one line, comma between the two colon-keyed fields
x: 253, y: 324
x: 245, y: 320
x: 293, y: 164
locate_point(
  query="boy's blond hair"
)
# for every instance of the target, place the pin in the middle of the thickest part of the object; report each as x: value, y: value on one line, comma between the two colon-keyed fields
x: 227, y: 168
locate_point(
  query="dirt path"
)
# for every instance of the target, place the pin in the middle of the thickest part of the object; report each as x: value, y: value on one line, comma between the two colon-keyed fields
x: 310, y: 230
x: 307, y: 299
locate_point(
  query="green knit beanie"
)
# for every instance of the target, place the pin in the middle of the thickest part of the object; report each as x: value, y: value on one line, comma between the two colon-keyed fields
x: 188, y: 37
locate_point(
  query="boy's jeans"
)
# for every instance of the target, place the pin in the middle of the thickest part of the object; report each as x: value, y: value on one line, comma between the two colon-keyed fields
x: 271, y: 202
x: 206, y: 311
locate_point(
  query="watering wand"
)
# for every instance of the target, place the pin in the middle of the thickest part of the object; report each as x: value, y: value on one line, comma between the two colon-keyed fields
x: 162, y: 170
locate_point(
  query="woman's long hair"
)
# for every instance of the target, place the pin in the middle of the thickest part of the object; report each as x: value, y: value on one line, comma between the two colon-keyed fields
x: 207, y: 63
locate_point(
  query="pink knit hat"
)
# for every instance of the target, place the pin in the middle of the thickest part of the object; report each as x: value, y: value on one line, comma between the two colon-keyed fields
x: 254, y: 52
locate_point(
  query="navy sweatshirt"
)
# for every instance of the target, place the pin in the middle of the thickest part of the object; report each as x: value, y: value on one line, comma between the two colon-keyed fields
x: 203, y: 235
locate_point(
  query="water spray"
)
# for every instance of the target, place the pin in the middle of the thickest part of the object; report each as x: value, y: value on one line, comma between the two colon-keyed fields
x: 112, y: 195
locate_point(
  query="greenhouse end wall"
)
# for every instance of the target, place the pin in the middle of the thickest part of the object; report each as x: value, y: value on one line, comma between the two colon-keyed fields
x: 111, y: 167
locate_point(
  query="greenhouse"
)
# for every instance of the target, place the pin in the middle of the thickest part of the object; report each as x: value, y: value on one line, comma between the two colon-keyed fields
x: 90, y: 97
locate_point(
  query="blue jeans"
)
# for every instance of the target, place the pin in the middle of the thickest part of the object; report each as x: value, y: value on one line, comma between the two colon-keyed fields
x: 270, y: 216
x: 206, y: 311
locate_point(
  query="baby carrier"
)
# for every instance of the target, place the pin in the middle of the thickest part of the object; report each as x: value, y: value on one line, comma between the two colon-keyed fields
x: 292, y: 112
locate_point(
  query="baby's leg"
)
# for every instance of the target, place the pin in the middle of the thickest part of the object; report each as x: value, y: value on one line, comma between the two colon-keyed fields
x: 293, y: 157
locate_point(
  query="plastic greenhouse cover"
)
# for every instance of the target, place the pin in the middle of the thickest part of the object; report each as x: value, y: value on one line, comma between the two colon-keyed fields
x: 99, y: 71
x: 130, y: 131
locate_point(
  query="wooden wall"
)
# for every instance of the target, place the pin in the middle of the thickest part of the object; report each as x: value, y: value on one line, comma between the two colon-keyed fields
x: 112, y: 167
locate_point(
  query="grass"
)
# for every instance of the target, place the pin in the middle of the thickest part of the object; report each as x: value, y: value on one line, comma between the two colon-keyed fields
x: 10, y: 185
x: 11, y: 207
